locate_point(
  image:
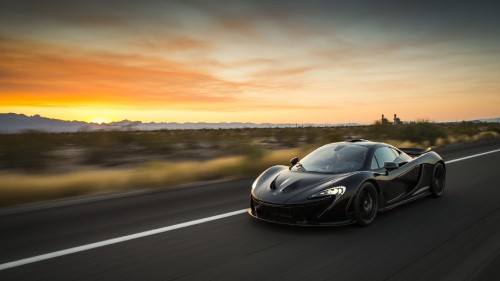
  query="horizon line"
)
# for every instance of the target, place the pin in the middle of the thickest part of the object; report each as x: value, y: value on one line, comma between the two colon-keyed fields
x: 248, y: 122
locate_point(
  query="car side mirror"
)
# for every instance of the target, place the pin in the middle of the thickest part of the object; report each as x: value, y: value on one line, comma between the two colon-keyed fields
x: 293, y: 161
x: 389, y: 166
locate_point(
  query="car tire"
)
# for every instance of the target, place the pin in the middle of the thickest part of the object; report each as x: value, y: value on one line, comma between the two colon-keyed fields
x: 366, y: 204
x: 438, y: 180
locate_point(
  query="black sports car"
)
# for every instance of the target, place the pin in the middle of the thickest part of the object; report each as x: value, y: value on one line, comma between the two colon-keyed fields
x: 346, y: 182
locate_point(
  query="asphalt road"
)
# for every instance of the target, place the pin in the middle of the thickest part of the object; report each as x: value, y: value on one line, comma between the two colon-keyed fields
x: 456, y: 237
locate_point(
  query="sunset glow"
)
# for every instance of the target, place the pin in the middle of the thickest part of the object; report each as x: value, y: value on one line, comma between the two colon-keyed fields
x: 238, y: 61
x: 100, y: 120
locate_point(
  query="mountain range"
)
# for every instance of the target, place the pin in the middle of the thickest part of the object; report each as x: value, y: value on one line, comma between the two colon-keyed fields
x: 11, y: 123
x: 17, y: 123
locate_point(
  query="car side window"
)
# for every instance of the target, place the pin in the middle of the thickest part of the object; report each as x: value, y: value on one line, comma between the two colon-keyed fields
x: 395, y: 152
x: 384, y: 154
x: 374, y: 165
x: 401, y: 157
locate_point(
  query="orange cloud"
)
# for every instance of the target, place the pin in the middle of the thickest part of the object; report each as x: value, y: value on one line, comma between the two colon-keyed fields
x: 34, y: 73
x: 175, y: 44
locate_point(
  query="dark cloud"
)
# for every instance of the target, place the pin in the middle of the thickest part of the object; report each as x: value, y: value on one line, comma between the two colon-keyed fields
x: 479, y: 15
x: 62, y: 12
x: 404, y: 15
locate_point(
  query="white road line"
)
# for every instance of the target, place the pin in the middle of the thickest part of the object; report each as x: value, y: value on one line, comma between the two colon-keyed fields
x: 153, y: 231
x: 472, y: 156
x: 116, y: 240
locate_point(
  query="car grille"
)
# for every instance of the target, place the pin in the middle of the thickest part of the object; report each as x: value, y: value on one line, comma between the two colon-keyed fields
x: 294, y: 214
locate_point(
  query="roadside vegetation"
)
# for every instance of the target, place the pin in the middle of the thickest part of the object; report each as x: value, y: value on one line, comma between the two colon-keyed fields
x: 41, y: 166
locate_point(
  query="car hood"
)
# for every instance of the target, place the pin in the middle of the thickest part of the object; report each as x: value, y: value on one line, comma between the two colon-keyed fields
x: 288, y: 184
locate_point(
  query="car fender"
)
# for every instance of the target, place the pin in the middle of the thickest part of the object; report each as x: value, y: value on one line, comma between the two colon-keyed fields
x: 351, y: 181
x: 266, y: 177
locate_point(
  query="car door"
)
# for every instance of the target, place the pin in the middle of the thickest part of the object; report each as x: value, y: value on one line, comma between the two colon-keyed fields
x: 397, y: 183
x: 390, y: 188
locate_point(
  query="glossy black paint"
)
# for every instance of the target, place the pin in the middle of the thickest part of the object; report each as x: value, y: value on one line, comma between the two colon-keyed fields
x: 283, y: 195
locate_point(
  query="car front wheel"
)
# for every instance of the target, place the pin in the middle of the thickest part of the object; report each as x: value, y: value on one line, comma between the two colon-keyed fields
x: 366, y: 204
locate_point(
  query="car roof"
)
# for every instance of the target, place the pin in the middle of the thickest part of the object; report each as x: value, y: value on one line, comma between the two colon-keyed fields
x: 362, y: 142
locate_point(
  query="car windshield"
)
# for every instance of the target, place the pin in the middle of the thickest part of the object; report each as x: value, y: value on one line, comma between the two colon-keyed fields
x: 335, y: 158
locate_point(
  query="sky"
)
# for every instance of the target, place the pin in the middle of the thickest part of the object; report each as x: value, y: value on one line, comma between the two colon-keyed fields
x: 274, y: 61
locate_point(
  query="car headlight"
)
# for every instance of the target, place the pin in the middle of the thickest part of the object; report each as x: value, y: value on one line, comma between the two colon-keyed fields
x: 332, y: 191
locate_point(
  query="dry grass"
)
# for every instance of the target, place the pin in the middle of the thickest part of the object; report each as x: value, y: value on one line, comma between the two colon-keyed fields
x: 18, y: 188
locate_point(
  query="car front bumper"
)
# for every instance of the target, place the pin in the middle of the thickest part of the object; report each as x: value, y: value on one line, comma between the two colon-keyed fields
x: 315, y: 213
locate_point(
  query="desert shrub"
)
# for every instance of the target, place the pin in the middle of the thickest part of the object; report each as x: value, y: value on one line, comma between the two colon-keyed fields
x: 419, y: 132
x: 378, y: 131
x: 250, y: 151
x: 25, y: 151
